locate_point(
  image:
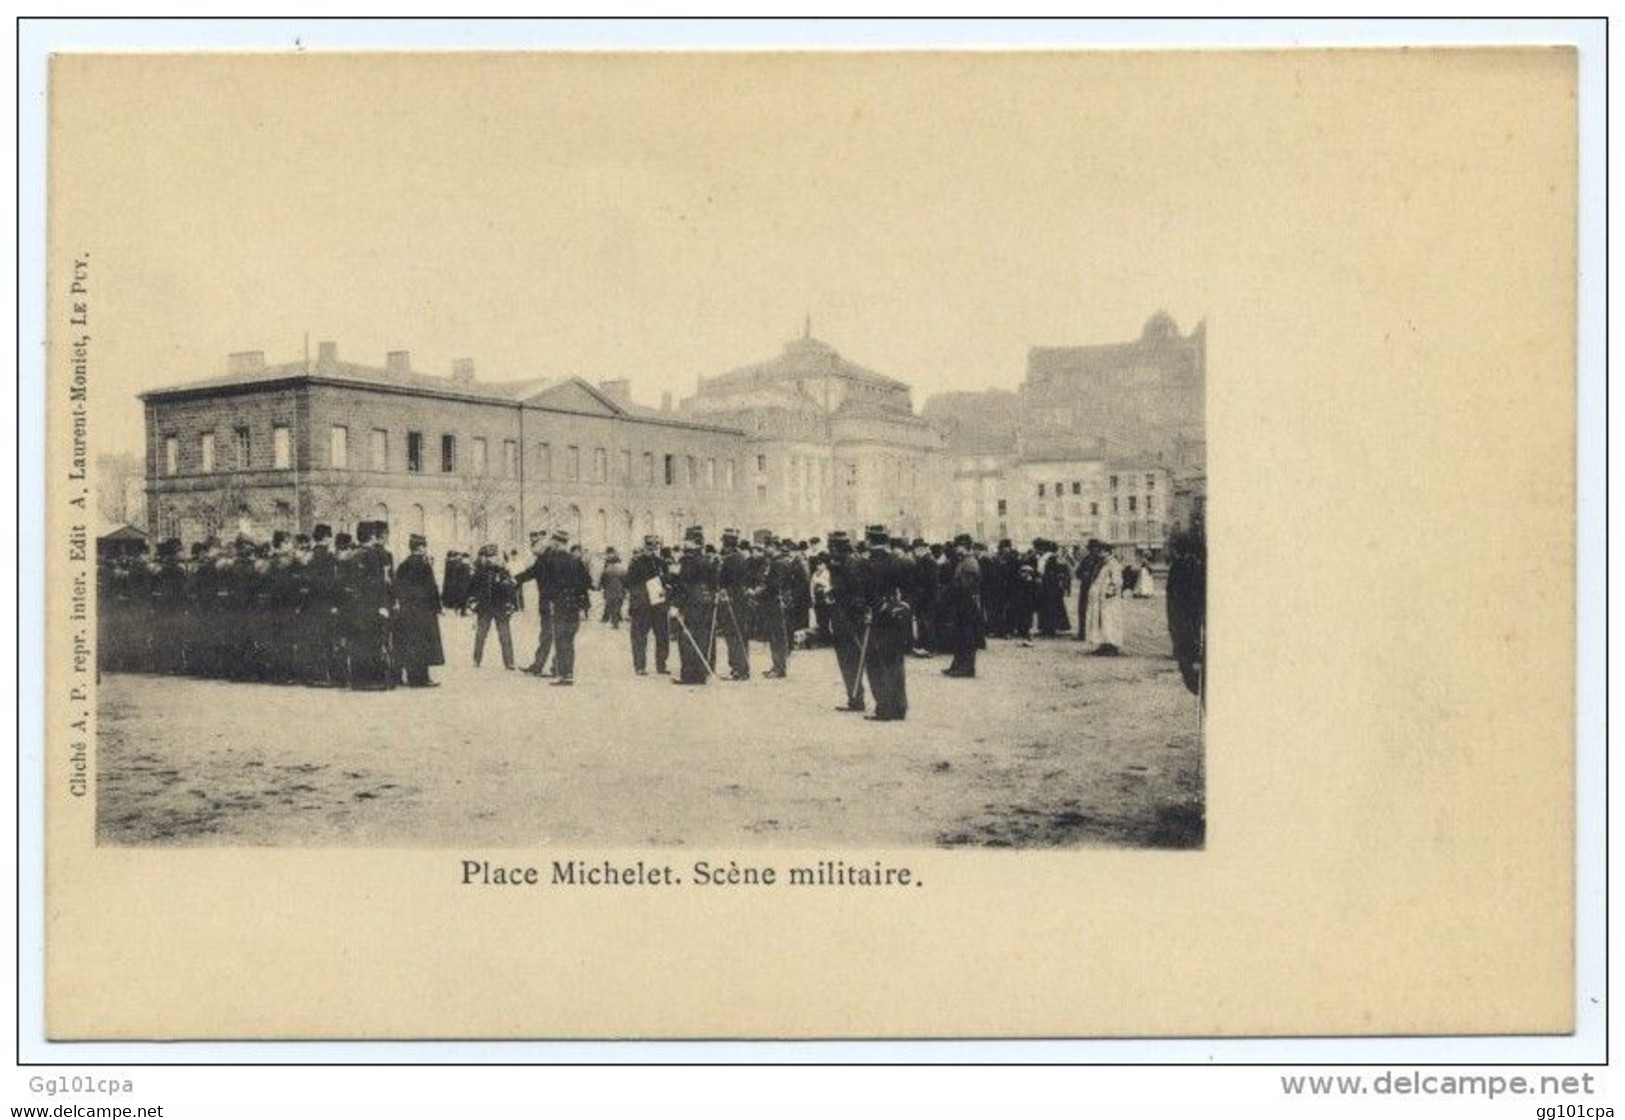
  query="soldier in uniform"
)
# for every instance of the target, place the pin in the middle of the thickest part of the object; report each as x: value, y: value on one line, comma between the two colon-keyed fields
x: 494, y: 598
x: 694, y: 594
x: 849, y: 616
x: 417, y: 616
x: 564, y: 589
x: 778, y: 590
x: 647, y: 589
x: 322, y: 655
x: 369, y: 605
x: 891, y: 624
x: 732, y: 605
x: 544, y: 610
x: 166, y: 590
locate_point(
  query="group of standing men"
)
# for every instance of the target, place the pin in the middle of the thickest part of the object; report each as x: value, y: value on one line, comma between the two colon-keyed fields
x: 318, y: 610
x: 331, y: 611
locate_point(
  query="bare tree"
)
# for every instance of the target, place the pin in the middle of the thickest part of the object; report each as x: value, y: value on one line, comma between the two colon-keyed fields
x: 217, y: 511
x: 339, y: 499
x: 114, y: 473
x: 481, y: 495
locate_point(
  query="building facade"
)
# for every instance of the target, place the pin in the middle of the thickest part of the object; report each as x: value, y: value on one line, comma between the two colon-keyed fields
x: 799, y: 447
x: 460, y: 460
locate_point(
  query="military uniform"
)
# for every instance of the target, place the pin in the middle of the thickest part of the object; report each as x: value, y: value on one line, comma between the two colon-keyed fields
x: 563, y: 590
x: 694, y: 594
x: 733, y: 605
x: 494, y: 597
x: 778, y: 590
x: 369, y: 601
x: 651, y: 615
x: 544, y: 607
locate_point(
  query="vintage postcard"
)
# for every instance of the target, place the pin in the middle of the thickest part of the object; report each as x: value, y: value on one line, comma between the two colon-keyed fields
x: 810, y: 545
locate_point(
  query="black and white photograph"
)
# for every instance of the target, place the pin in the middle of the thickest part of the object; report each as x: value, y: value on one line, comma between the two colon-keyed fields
x: 722, y: 479
x: 550, y: 543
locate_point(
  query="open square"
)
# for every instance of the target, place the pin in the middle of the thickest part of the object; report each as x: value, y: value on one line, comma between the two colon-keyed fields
x: 1047, y: 747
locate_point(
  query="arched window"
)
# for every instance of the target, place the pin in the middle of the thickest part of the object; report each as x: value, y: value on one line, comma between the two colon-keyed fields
x: 572, y: 524
x: 415, y: 520
x: 603, y: 529
x: 510, y: 527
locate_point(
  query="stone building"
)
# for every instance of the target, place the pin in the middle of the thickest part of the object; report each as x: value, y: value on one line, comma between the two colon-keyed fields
x: 459, y: 459
x: 831, y: 443
x: 800, y: 445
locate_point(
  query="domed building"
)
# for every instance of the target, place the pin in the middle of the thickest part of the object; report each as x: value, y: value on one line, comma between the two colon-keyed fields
x: 832, y: 443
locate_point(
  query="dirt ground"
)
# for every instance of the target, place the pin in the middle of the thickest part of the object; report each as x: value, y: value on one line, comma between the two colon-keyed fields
x: 1048, y: 747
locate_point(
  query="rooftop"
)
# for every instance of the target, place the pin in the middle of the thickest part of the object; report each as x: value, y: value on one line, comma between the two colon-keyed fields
x: 802, y: 358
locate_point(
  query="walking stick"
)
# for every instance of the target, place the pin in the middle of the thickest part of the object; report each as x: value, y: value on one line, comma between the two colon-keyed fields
x: 735, y: 620
x: 863, y: 655
x: 695, y: 645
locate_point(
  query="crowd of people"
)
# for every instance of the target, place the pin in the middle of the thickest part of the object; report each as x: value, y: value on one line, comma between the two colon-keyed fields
x: 329, y: 610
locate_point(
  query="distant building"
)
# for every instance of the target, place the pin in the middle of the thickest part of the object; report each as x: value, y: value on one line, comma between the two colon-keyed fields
x: 1146, y: 397
x: 831, y: 443
x: 1100, y: 441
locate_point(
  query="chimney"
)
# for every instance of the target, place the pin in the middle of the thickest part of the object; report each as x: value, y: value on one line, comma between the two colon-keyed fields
x: 462, y: 370
x: 665, y: 401
x: 245, y: 361
x: 619, y: 390
x: 398, y: 363
x: 327, y: 356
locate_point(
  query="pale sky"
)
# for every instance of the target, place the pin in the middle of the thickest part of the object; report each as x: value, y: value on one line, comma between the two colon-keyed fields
x: 651, y: 218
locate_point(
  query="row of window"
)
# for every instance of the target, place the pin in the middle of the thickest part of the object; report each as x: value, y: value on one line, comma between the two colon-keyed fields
x: 1077, y: 487
x: 241, y: 444
x: 1076, y: 508
x: 707, y: 473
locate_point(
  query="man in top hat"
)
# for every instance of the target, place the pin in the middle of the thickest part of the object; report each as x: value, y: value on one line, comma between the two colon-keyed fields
x: 891, y: 624
x: 732, y: 603
x: 649, y: 596
x: 417, y: 617
x: 694, y: 594
x: 849, y: 616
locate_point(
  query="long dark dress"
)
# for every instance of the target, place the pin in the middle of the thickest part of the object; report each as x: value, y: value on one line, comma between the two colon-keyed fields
x: 417, y: 621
